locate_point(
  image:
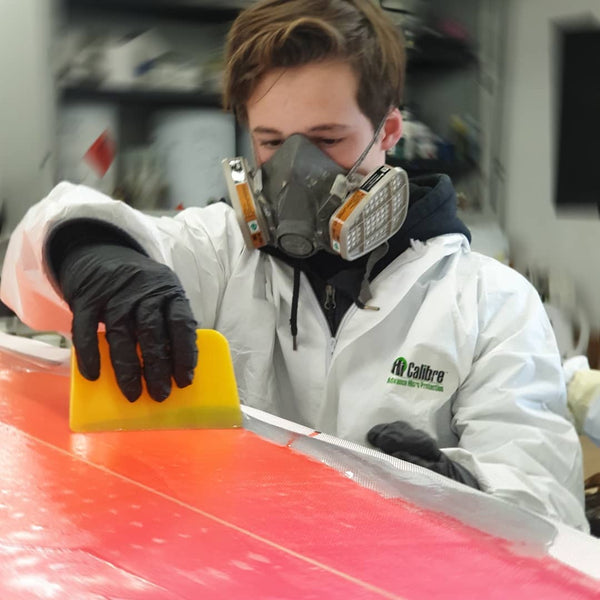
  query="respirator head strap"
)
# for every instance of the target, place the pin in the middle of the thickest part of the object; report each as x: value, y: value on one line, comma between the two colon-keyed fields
x: 366, y: 151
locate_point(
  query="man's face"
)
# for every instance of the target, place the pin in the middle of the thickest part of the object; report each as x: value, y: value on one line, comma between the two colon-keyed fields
x: 319, y: 101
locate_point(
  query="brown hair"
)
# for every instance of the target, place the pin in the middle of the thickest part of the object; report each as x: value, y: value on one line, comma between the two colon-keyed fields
x: 292, y: 33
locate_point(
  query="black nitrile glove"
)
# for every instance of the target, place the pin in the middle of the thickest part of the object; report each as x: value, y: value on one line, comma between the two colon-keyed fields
x: 401, y: 440
x: 140, y: 301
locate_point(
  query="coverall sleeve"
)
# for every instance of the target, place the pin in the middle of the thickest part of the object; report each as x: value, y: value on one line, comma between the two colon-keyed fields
x: 200, y: 244
x: 510, y: 412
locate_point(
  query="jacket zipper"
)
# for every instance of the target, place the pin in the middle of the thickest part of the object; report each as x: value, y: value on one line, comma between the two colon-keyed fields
x: 329, y: 303
x: 329, y: 306
x: 330, y: 347
x: 329, y: 297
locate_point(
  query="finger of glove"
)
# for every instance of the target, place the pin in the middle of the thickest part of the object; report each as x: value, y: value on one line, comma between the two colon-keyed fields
x: 400, y: 436
x: 459, y: 473
x: 443, y: 466
x: 124, y: 358
x: 156, y: 348
x: 85, y: 341
x: 417, y: 460
x: 182, y: 335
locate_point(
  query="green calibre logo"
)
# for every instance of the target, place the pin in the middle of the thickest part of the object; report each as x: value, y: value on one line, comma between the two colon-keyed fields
x: 399, y: 366
x: 410, y: 374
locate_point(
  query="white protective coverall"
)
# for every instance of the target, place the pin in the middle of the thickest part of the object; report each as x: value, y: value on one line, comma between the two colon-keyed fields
x: 461, y: 346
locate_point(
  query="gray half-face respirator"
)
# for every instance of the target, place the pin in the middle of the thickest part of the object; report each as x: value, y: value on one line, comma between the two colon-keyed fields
x: 302, y: 201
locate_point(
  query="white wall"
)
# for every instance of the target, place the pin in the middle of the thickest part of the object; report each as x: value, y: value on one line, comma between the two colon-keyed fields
x: 539, y: 235
x: 26, y: 105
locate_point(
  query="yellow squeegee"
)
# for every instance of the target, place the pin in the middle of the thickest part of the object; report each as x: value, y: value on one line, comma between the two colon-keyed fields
x: 211, y: 401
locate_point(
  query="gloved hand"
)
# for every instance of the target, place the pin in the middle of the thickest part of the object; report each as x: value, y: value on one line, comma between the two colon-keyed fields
x: 140, y: 301
x: 401, y: 440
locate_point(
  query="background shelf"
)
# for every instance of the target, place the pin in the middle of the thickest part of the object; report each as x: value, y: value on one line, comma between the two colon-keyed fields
x: 219, y: 12
x: 431, y: 51
x: 147, y: 97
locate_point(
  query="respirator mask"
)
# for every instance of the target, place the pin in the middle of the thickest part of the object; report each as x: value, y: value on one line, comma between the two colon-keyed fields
x: 301, y: 201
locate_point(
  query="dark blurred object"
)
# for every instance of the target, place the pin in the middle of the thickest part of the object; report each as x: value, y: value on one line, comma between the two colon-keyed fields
x: 217, y: 12
x: 592, y: 503
x: 593, y: 350
x: 410, y: 7
x: 6, y: 311
x: 577, y: 98
x: 433, y: 49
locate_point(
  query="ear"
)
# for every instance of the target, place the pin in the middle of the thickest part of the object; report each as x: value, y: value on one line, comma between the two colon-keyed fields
x: 392, y: 130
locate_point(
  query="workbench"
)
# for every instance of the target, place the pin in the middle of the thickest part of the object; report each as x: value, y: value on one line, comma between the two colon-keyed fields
x: 235, y: 514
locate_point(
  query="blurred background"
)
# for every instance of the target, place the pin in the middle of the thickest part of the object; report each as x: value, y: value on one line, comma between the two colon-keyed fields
x: 124, y: 96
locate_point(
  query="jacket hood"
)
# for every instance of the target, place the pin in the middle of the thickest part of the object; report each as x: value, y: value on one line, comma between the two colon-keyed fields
x: 431, y: 212
x: 432, y: 209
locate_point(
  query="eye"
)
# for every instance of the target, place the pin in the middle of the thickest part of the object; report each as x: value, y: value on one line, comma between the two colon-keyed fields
x: 270, y: 143
x: 327, y: 142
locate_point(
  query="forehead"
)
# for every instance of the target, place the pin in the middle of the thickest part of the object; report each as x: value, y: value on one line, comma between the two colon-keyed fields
x: 299, y: 98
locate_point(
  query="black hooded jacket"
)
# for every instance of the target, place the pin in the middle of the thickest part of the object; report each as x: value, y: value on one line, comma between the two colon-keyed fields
x: 337, y: 282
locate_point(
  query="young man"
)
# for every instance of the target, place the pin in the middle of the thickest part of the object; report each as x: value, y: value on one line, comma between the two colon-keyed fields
x: 418, y: 345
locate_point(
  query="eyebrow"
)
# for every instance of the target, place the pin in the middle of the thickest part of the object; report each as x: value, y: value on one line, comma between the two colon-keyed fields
x: 325, y: 127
